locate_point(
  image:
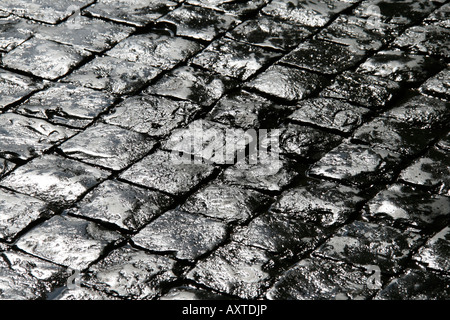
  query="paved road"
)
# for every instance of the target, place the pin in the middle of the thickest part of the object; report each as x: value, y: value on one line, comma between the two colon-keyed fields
x: 210, y: 149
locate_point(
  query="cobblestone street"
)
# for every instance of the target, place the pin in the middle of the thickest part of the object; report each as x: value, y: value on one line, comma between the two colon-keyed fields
x: 97, y: 97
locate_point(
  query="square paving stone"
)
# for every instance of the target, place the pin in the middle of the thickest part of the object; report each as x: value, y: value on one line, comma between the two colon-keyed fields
x: 331, y: 114
x: 362, y: 244
x: 54, y: 179
x: 369, y: 91
x: 319, y: 279
x: 155, y: 116
x: 269, y: 32
x: 228, y: 203
x: 194, y: 84
x: 113, y: 75
x: 234, y: 59
x: 438, y: 86
x: 234, y: 269
x: 188, y: 235
x: 44, y: 58
x: 135, y: 12
x: 132, y: 274
x: 17, y: 211
x: 5, y: 167
x: 89, y: 34
x: 14, y: 87
x: 47, y: 11
x: 24, y: 138
x: 439, y: 17
x: 14, y: 31
x: 323, y: 203
x: 199, y: 23
x: 66, y: 104
x: 162, y: 171
x: 436, y: 252
x: 67, y: 241
x: 108, y: 146
x: 287, y: 83
x: 402, y: 205
x: 324, y: 57
x: 124, y: 205
x: 155, y: 50
x: 241, y: 7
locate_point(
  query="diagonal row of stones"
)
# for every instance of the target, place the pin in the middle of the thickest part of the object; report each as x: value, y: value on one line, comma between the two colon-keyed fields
x: 92, y: 94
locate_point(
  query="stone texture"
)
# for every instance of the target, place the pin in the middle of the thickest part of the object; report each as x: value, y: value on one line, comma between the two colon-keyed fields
x: 435, y: 253
x: 14, y: 31
x: 438, y: 85
x: 243, y: 7
x: 14, y: 87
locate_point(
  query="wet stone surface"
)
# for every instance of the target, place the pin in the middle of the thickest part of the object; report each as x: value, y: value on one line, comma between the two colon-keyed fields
x: 438, y: 85
x: 435, y: 253
x: 237, y: 7
x: 14, y: 87
x: 5, y: 167
x: 439, y: 17
x: 191, y: 293
x: 13, y: 32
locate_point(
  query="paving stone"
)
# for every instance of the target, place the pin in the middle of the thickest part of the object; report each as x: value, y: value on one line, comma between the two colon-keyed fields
x: 287, y: 83
x: 108, y: 146
x: 361, y: 244
x: 402, y: 205
x: 234, y: 269
x: 399, y: 66
x: 155, y: 50
x: 358, y: 164
x: 241, y: 7
x: 314, y: 13
x: 135, y: 12
x: 23, y: 277
x: 191, y: 293
x: 440, y: 17
x: 5, y: 167
x: 113, y: 75
x: 269, y: 32
x: 14, y: 31
x: 199, y: 23
x: 438, y: 86
x: 155, y: 116
x: 189, y: 83
x: 324, y: 57
x: 24, y: 138
x: 323, y: 203
x: 416, y: 285
x: 89, y: 34
x: 124, y: 205
x: 319, y: 279
x: 84, y: 294
x: 331, y: 114
x: 54, y: 179
x: 66, y: 104
x: 234, y: 59
x: 44, y: 58
x: 228, y: 203
x: 47, y: 11
x: 369, y: 91
x: 187, y: 235
x: 435, y: 253
x: 67, y: 241
x: 161, y: 171
x: 132, y: 274
x: 14, y: 87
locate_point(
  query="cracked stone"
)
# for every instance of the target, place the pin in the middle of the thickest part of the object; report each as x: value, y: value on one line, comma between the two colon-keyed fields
x: 234, y: 59
x: 5, y: 167
x: 108, y: 146
x: 14, y: 31
x: 440, y: 17
x: 155, y: 116
x: 54, y: 179
x: 131, y: 273
x: 319, y: 279
x: 234, y: 269
x: 44, y: 58
x: 189, y: 83
x: 66, y: 104
x: 236, y: 7
x: 228, y: 203
x: 24, y: 138
x: 191, y: 293
x: 404, y: 205
x: 369, y: 91
x: 14, y: 87
x: 287, y: 83
x: 67, y: 241
x: 155, y: 50
x: 323, y: 203
x: 269, y: 32
x: 438, y: 85
x: 113, y: 75
x: 361, y: 244
x: 124, y: 205
x: 162, y: 171
x: 324, y: 57
x: 199, y: 23
x: 187, y: 235
x: 435, y: 253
